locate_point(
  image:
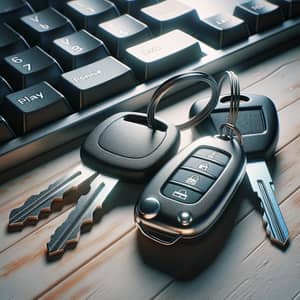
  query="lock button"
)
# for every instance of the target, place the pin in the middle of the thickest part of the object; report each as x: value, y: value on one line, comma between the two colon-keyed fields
x: 193, y: 180
x: 181, y: 193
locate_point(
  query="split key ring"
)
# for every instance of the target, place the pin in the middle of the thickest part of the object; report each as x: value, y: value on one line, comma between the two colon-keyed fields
x: 163, y: 89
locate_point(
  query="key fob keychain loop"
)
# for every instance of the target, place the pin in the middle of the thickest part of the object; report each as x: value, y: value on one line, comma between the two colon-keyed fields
x: 189, y: 194
x: 165, y: 87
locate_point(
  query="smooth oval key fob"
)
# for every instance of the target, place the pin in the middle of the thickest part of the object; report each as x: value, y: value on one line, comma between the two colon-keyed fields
x: 188, y: 195
x: 124, y: 146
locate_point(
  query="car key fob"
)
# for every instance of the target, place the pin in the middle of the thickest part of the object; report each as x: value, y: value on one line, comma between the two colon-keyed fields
x: 188, y: 195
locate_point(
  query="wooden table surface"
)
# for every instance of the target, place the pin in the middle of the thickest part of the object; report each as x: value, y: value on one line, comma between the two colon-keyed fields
x: 235, y: 261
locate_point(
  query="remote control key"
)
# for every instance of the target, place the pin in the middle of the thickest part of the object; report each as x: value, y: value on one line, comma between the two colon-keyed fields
x: 222, y: 30
x: 162, y: 54
x: 258, y: 122
x: 10, y: 41
x: 194, y: 212
x: 31, y: 66
x: 168, y: 15
x: 33, y: 107
x: 78, y: 49
x: 44, y: 26
x: 96, y: 82
x: 12, y: 10
x: 259, y: 15
x: 88, y: 14
x: 122, y: 32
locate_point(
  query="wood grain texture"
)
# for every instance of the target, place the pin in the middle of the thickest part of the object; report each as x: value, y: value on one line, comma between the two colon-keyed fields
x: 113, y: 262
x: 252, y: 235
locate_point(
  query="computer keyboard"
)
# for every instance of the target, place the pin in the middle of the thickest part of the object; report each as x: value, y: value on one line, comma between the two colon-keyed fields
x: 66, y: 65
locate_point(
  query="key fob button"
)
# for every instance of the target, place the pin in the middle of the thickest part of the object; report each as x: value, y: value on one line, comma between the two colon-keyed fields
x: 185, y: 218
x: 149, y: 208
x: 203, y: 166
x: 193, y: 180
x: 181, y: 193
x: 212, y: 155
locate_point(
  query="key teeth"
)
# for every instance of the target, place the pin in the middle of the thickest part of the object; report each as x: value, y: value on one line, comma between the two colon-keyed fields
x: 27, y: 215
x: 71, y: 243
x: 69, y: 233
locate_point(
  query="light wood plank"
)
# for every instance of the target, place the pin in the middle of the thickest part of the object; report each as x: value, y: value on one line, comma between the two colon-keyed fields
x: 244, y: 268
x: 240, y: 272
x: 85, y: 251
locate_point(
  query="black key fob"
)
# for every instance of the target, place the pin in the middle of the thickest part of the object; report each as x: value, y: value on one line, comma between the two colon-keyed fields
x: 189, y: 194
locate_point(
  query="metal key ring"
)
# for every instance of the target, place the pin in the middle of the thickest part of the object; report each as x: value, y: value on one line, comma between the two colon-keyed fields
x: 167, y: 86
x: 234, y: 94
x: 233, y: 129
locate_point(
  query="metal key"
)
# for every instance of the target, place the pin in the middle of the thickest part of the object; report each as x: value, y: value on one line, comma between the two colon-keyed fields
x: 128, y: 147
x: 258, y: 123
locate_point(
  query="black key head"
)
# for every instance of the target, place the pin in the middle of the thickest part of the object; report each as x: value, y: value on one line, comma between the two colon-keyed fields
x: 124, y: 146
x: 257, y: 122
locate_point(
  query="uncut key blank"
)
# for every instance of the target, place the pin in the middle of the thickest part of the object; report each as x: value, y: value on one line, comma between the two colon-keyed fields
x: 258, y: 122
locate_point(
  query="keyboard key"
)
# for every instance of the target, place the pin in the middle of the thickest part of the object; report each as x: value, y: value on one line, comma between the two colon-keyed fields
x: 6, y: 133
x: 10, y: 41
x: 290, y: 8
x: 11, y: 10
x: 43, y: 27
x: 162, y: 54
x: 168, y: 15
x: 4, y: 89
x: 29, y: 67
x: 133, y: 6
x: 221, y: 31
x: 96, y: 81
x: 78, y: 49
x: 259, y: 15
x: 42, y: 4
x: 89, y: 13
x: 33, y: 107
x: 122, y: 32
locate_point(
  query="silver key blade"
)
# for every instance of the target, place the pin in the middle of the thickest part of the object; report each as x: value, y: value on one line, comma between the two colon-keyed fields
x: 83, y: 215
x: 261, y: 182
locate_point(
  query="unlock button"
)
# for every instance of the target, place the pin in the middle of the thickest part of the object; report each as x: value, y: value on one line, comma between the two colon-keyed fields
x: 181, y: 193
